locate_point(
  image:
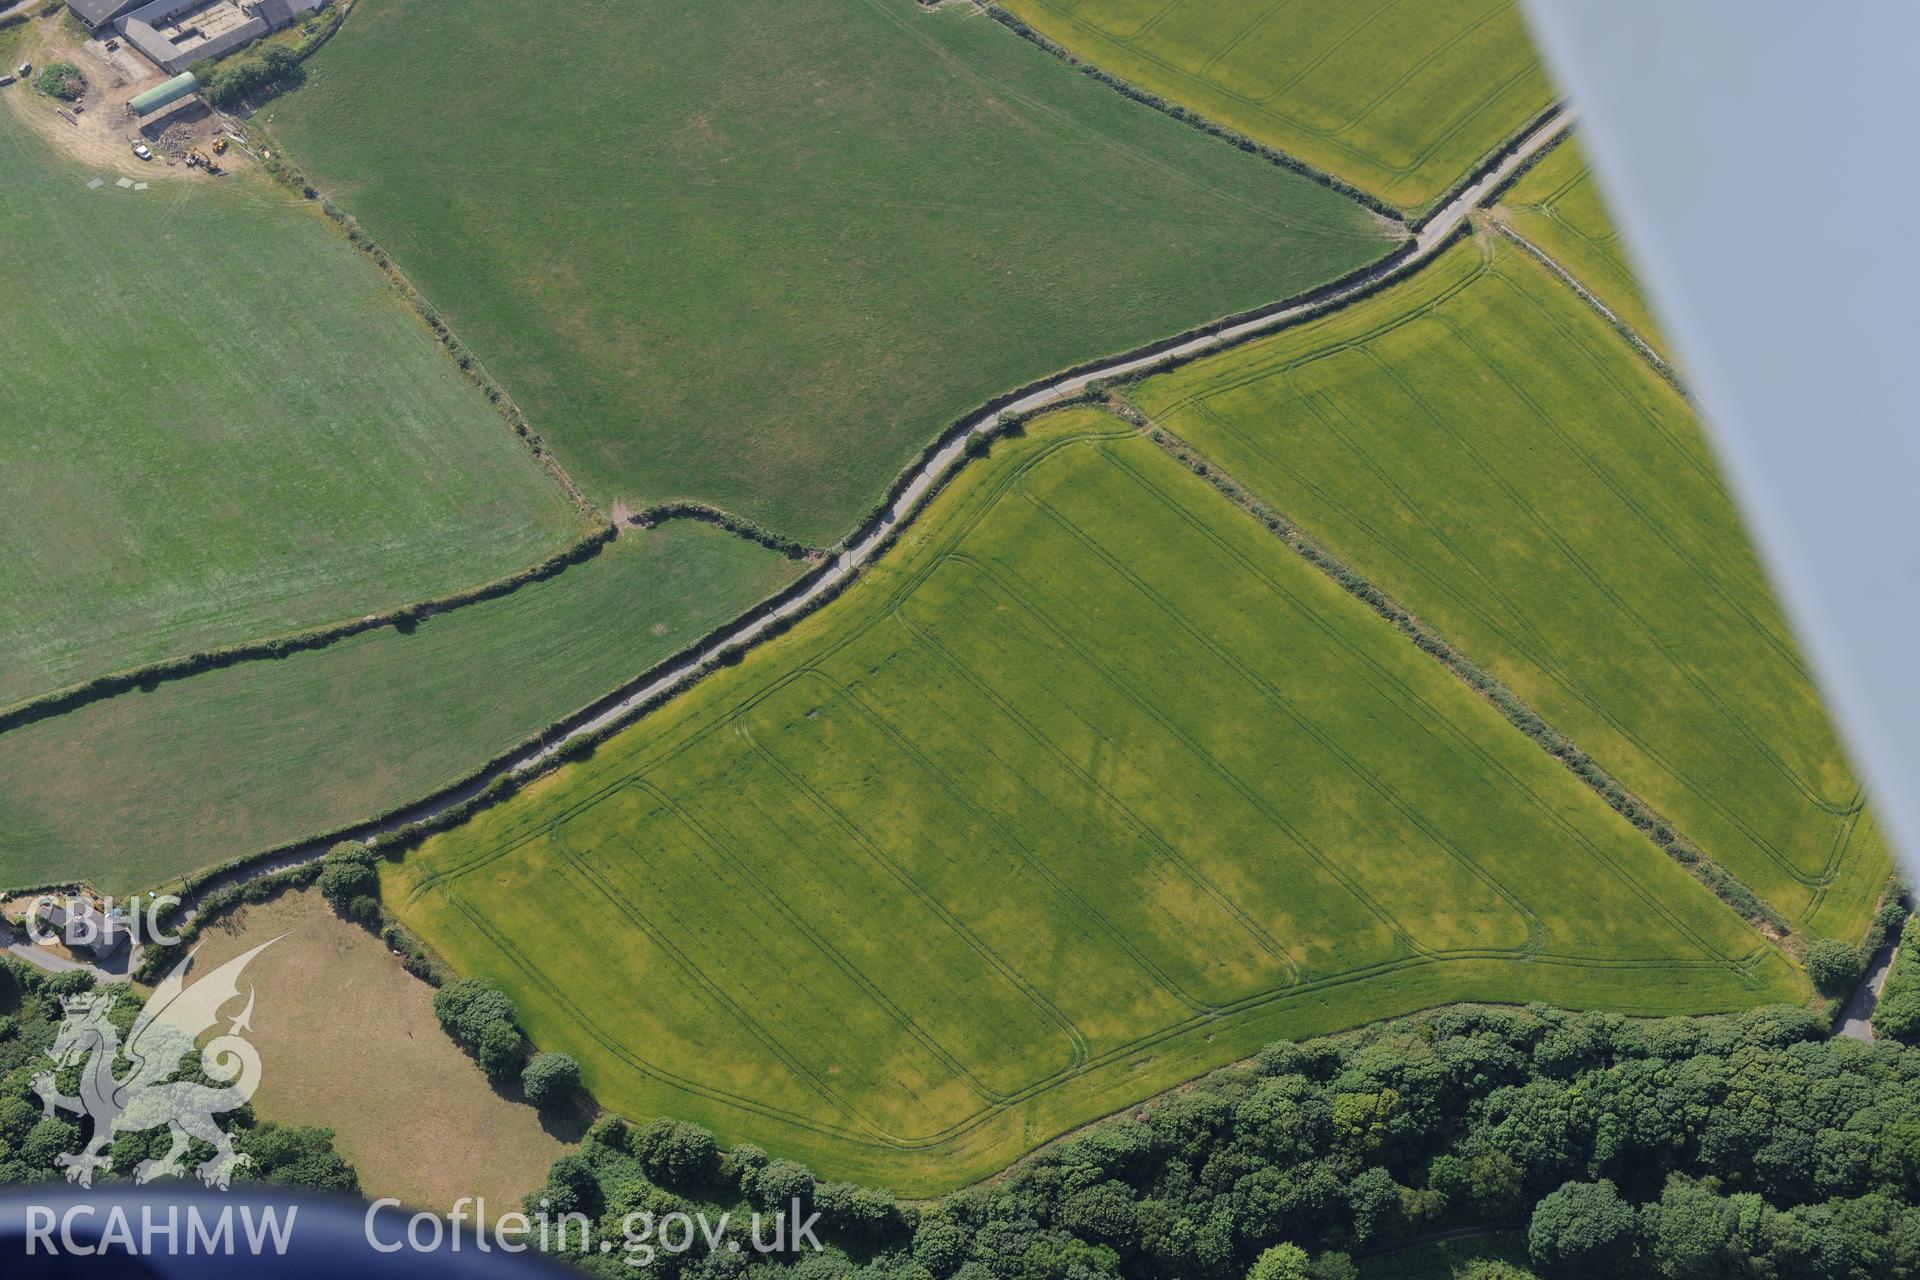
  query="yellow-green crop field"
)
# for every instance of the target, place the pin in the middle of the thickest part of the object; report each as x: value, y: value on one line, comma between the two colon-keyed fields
x: 1399, y: 97
x: 1557, y: 206
x: 1090, y: 785
x: 1482, y: 445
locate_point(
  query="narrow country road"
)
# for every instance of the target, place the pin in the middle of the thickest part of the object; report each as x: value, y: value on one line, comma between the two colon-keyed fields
x: 1430, y: 239
x: 1856, y: 1020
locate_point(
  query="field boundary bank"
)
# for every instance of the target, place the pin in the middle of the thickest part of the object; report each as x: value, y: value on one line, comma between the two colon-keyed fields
x: 149, y: 676
x: 1414, y: 220
x: 469, y: 364
x: 740, y: 526
x: 1722, y: 883
x: 576, y: 734
x: 1621, y: 327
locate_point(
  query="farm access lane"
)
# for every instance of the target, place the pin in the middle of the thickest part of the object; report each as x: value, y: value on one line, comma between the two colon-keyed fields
x: 1856, y: 1020
x: 938, y: 465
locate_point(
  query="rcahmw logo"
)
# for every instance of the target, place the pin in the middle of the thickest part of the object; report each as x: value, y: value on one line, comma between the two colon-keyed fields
x: 159, y: 1230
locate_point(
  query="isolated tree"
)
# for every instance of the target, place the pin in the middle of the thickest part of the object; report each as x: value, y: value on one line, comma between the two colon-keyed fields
x: 550, y: 1079
x: 1834, y: 966
x: 1583, y: 1231
x: 343, y: 882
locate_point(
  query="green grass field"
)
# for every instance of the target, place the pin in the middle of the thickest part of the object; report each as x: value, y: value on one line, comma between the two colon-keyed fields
x: 142, y: 787
x: 1557, y: 205
x: 1479, y: 443
x: 759, y: 255
x: 218, y: 423
x: 1399, y: 97
x: 1088, y: 787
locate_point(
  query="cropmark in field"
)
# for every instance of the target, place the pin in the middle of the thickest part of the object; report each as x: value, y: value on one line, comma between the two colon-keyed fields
x: 1480, y: 443
x: 760, y: 254
x: 1401, y: 98
x: 1090, y: 785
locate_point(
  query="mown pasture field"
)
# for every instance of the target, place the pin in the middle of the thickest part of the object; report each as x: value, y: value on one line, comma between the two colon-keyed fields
x: 138, y: 788
x: 760, y: 254
x: 1557, y: 206
x: 1091, y: 785
x: 219, y: 423
x: 1401, y: 98
x: 349, y: 1041
x: 1481, y: 444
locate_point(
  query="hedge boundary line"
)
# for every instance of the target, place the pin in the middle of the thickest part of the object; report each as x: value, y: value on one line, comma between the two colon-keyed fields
x: 225, y: 900
x: 1632, y: 336
x: 1207, y: 125
x: 468, y: 363
x: 149, y: 675
x: 1723, y: 883
x: 740, y: 526
x: 397, y: 827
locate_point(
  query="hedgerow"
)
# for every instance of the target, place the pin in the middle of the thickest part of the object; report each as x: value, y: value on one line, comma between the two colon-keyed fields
x: 1524, y: 718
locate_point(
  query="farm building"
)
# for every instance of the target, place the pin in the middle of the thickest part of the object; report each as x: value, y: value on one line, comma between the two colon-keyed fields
x: 84, y: 929
x: 163, y: 95
x: 95, y: 14
x: 178, y: 33
x: 187, y: 110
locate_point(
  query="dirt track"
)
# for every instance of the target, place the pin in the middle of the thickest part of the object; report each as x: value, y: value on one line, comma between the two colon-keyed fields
x: 99, y: 135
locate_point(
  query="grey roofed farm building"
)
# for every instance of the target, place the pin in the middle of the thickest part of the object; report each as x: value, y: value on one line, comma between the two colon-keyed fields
x: 177, y: 33
x: 84, y: 929
x: 96, y: 14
